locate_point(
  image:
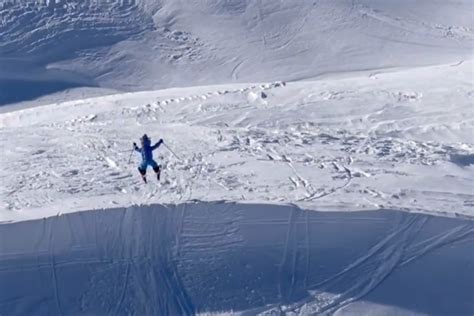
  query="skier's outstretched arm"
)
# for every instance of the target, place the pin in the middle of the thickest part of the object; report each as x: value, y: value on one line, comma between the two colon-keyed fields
x: 135, y: 147
x: 157, y: 144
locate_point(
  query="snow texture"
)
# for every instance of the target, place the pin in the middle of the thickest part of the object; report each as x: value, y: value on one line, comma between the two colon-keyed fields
x: 337, y: 145
x: 318, y: 158
x: 385, y: 140
x: 246, y: 258
x: 131, y: 45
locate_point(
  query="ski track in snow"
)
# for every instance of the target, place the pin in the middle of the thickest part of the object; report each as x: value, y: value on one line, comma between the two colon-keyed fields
x: 213, y: 257
x: 389, y: 251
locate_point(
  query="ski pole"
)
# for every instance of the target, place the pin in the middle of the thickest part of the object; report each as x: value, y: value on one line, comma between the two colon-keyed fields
x: 171, y: 151
x: 130, y: 158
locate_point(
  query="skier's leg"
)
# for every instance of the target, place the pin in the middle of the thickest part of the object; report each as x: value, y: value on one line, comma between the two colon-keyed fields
x: 142, y: 170
x: 156, y: 168
x: 157, y: 171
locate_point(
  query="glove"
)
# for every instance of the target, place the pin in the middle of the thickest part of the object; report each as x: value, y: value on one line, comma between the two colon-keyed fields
x: 134, y: 144
x: 161, y: 141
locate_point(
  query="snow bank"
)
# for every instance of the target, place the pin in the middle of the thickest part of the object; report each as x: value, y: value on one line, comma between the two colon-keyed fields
x: 220, y: 256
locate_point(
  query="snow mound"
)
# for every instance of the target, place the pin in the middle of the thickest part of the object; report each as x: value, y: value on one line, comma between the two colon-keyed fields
x: 49, y: 46
x: 219, y: 256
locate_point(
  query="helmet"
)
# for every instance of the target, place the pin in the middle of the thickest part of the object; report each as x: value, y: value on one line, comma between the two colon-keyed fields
x: 145, y: 139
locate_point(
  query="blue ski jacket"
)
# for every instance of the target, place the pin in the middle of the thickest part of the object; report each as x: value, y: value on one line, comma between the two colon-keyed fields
x: 147, y: 150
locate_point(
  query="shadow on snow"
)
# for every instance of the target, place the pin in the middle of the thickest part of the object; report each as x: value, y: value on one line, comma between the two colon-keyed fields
x: 222, y: 256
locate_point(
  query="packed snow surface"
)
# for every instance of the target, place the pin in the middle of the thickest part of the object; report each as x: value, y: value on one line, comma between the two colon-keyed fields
x: 248, y: 258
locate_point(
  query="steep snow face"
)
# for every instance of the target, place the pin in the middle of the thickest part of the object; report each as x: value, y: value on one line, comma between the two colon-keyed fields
x: 54, y: 30
x: 374, y: 140
x: 48, y: 46
x: 35, y: 34
x: 221, y: 257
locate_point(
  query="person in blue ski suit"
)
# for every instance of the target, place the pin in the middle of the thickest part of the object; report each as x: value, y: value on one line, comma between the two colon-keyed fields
x: 146, y: 151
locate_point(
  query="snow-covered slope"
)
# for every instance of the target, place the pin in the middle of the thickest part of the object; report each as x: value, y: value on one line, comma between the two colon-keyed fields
x: 374, y: 140
x: 48, y: 46
x: 327, y: 167
x: 220, y: 257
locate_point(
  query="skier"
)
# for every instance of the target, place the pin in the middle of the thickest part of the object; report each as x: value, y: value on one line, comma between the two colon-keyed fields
x: 147, y: 156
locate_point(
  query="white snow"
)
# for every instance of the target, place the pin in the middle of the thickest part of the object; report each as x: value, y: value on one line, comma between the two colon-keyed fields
x: 147, y: 44
x: 395, y: 141
x: 318, y: 157
x: 247, y: 258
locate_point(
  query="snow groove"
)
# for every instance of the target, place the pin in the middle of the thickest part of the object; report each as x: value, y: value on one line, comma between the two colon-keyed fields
x: 450, y: 237
x: 287, y: 266
x: 381, y: 260
x: 53, y: 266
x: 124, y: 289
